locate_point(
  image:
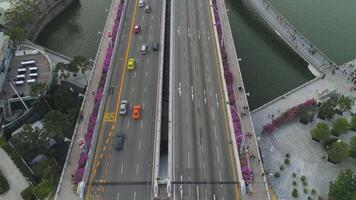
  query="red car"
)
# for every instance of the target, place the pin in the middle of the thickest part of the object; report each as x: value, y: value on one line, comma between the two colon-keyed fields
x: 137, y: 28
x: 136, y: 112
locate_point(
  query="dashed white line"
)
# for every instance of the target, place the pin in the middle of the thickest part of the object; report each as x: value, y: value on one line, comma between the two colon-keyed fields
x: 217, y: 153
x: 133, y: 89
x: 137, y: 169
x: 215, y: 132
x: 141, y: 123
x: 150, y: 37
x: 217, y: 100
x: 118, y: 196
x: 220, y: 175
x: 146, y: 74
x: 151, y: 27
x: 197, y: 187
x: 148, y: 60
x: 139, y: 145
x: 145, y: 89
x: 191, y: 88
x: 122, y: 168
x: 188, y: 160
x: 134, y: 195
x: 135, y: 74
x: 204, y: 96
x: 212, y: 113
x: 180, y: 88
x: 143, y: 105
x: 128, y: 125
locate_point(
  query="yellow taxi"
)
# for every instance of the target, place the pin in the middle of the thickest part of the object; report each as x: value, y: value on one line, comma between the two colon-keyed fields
x: 131, y: 64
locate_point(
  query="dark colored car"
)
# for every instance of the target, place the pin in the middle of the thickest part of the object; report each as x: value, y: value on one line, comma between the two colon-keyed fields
x: 155, y: 46
x: 119, y: 142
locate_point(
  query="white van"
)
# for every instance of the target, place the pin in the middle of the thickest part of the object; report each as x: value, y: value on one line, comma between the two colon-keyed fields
x: 33, y: 75
x: 20, y: 77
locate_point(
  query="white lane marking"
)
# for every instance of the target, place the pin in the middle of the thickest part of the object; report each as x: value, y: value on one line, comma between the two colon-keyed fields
x: 134, y: 195
x: 151, y: 27
x: 212, y: 113
x: 181, y: 187
x: 204, y: 174
x: 209, y: 92
x: 146, y: 74
x: 135, y: 74
x: 128, y: 125
x: 145, y: 89
x: 214, y: 198
x: 124, y: 145
x: 152, y: 17
x: 180, y: 88
x: 118, y: 196
x: 178, y: 30
x: 140, y: 37
x: 189, y: 186
x: 148, y: 60
x: 208, y: 37
x: 139, y: 145
x: 143, y: 105
x: 141, y: 123
x: 215, y: 132
x: 150, y: 37
x: 188, y: 160
x: 191, y: 88
x: 217, y: 100
x: 197, y: 187
x: 188, y: 32
x: 217, y: 153
x: 204, y: 44
x: 204, y: 96
x: 137, y: 169
x: 220, y: 175
x: 133, y: 89
x: 122, y: 168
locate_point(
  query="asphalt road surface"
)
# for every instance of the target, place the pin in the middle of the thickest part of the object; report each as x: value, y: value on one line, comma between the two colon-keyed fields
x: 203, y: 166
x: 127, y: 174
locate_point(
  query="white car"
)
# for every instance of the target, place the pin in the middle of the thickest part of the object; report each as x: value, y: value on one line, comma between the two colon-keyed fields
x: 123, y: 107
x: 141, y: 3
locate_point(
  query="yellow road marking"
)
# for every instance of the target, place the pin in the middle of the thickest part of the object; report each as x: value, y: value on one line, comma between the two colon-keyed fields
x: 237, y: 189
x: 117, y: 100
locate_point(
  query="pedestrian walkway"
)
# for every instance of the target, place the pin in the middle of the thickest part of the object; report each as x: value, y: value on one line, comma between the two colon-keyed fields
x: 16, y: 180
x: 306, y: 156
x: 66, y: 189
x: 301, y: 45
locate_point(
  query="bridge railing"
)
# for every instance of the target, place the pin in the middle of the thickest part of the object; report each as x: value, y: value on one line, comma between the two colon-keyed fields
x: 301, y: 45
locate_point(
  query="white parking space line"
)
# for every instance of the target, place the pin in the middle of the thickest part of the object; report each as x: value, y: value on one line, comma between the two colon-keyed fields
x: 197, y: 188
x: 188, y: 160
x: 122, y: 168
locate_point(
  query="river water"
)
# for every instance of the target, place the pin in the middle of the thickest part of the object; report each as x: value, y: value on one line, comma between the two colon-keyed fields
x: 269, y: 67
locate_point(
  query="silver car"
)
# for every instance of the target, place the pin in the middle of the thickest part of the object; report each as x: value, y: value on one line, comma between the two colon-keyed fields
x: 141, y: 3
x: 124, y: 104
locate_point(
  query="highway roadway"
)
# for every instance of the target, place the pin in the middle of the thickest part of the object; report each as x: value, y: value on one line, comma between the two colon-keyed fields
x: 127, y: 174
x: 203, y: 164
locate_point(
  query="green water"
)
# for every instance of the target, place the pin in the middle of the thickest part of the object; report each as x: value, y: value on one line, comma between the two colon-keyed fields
x: 75, y: 31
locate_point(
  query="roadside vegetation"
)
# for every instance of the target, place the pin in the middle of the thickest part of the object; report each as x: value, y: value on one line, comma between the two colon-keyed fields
x: 4, y: 185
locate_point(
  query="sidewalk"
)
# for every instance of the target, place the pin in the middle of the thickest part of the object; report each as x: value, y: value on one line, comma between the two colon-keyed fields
x: 16, y: 180
x: 67, y: 190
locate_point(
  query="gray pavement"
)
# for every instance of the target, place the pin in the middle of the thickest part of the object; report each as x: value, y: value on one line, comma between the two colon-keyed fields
x: 202, y: 158
x: 294, y: 138
x: 16, y: 180
x: 127, y: 174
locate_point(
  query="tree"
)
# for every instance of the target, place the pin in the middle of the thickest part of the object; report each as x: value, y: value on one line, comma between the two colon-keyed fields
x: 37, y: 89
x: 341, y: 126
x: 61, y: 67
x: 22, y: 12
x: 56, y: 123
x: 326, y: 110
x: 344, y: 188
x: 320, y: 132
x: 353, y: 123
x: 81, y: 64
x: 338, y: 151
x: 345, y: 102
x: 17, y: 34
x: 63, y: 99
x: 353, y: 147
x: 46, y: 169
x: 43, y: 189
x: 72, y: 67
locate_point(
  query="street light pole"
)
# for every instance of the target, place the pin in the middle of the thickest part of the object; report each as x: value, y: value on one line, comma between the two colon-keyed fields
x: 242, y: 126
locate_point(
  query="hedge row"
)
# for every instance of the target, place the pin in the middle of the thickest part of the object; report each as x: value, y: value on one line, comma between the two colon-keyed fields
x: 4, y: 185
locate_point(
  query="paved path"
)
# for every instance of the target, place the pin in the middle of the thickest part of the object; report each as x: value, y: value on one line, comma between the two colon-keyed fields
x: 257, y: 188
x: 68, y: 190
x: 294, y: 138
x: 16, y: 180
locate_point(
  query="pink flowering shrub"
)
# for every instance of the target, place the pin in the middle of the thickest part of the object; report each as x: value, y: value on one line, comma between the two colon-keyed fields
x: 268, y: 128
